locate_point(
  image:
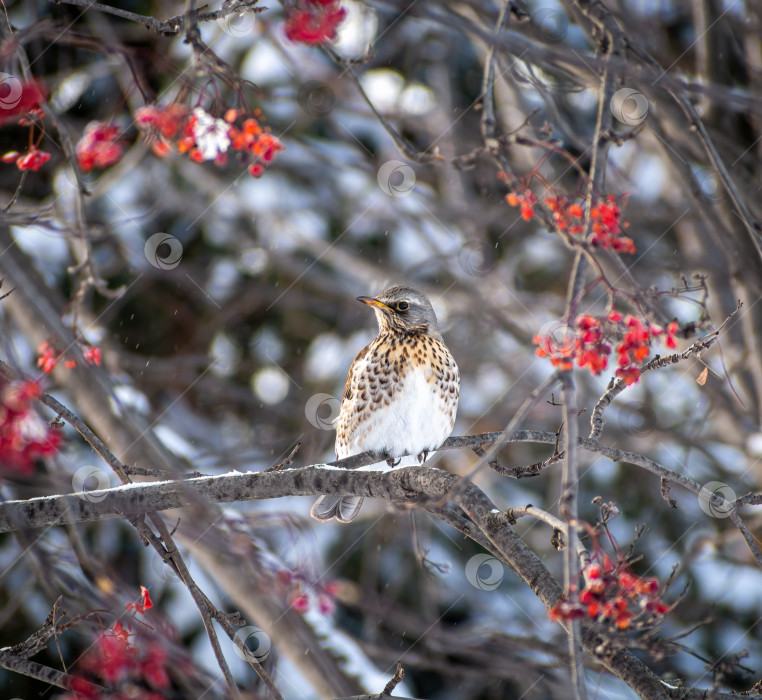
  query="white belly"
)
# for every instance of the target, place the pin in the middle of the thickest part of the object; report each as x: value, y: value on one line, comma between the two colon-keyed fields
x: 418, y: 418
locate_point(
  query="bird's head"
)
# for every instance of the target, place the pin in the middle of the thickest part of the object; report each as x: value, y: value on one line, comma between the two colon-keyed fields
x: 403, y: 310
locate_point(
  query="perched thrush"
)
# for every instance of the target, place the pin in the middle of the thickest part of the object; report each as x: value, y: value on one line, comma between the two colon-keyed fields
x: 401, y: 393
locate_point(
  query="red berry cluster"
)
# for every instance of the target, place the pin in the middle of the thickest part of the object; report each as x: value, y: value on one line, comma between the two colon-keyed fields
x: 302, y: 594
x: 592, y: 351
x: 99, y: 147
x: 524, y: 201
x: 567, y: 216
x: 315, y: 21
x: 561, y: 350
x: 205, y: 137
x: 635, y: 345
x: 19, y: 99
x: 49, y: 357
x: 605, y: 217
x: 33, y: 159
x: 587, y: 344
x: 21, y: 103
x: 114, y: 661
x: 145, y: 602
x: 614, y: 595
x: 24, y: 436
x: 196, y: 132
x: 607, y: 227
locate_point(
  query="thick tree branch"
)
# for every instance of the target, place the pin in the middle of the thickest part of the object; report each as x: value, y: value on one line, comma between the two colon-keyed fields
x: 408, y: 485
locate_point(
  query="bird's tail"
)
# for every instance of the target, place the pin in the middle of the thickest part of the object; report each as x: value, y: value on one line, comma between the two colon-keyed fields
x: 343, y: 508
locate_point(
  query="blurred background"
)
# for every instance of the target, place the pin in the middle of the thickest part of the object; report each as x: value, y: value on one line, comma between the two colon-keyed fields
x: 224, y: 308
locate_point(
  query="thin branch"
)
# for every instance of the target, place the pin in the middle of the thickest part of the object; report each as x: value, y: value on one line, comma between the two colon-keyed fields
x: 170, y: 553
x: 513, y: 514
x: 616, y: 386
x: 569, y: 511
x: 174, y: 25
x: 408, y: 150
x: 490, y: 456
x: 524, y: 471
x: 751, y: 541
x: 287, y: 461
x: 78, y: 424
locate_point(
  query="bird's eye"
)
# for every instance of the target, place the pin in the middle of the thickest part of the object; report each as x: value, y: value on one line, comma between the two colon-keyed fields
x: 402, y: 306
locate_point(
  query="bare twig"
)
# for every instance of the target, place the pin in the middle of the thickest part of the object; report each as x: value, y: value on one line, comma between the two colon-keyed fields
x: 522, y: 472
x: 616, y: 386
x: 513, y: 514
x: 397, y: 678
x: 287, y: 461
x: 174, y: 25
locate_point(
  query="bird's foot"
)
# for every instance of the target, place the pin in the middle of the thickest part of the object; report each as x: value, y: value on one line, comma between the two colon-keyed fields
x: 390, y: 460
x: 423, y: 456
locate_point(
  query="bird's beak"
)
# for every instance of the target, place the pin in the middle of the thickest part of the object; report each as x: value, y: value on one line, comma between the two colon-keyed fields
x: 370, y: 301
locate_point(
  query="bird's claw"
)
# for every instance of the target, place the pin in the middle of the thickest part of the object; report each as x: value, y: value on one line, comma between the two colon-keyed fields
x: 391, y: 461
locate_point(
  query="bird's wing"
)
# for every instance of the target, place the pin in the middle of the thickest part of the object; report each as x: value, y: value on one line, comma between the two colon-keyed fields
x: 347, y: 394
x: 347, y: 417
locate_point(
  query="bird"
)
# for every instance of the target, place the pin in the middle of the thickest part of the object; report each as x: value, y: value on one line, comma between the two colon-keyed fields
x: 401, y: 393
